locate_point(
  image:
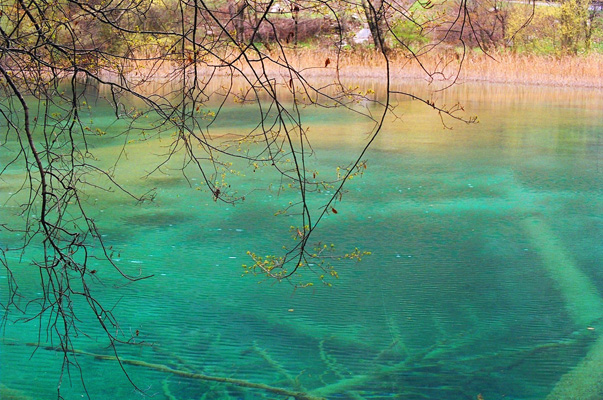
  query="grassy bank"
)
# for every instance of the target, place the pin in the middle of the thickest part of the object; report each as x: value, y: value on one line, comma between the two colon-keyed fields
x: 442, y: 69
x: 445, y: 68
x: 576, y: 71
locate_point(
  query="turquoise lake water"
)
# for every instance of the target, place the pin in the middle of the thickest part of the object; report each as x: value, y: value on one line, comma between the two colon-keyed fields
x: 485, y: 276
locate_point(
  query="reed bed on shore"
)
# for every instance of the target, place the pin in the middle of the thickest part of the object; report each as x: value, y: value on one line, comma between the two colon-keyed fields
x: 577, y: 71
x: 449, y: 67
x: 440, y: 68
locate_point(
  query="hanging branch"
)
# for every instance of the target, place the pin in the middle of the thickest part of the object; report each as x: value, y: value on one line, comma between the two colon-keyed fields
x: 49, y: 64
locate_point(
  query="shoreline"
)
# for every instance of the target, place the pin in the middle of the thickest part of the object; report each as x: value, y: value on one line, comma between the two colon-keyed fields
x: 438, y: 70
x: 508, y: 69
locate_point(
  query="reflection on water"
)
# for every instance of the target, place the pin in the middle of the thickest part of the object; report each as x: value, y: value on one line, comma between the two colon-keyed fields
x: 485, y: 276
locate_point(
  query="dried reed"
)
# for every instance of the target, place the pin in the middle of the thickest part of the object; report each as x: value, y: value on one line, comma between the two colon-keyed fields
x: 448, y: 67
x: 442, y: 68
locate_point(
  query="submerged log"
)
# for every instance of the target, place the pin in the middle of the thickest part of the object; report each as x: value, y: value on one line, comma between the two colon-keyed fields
x: 582, y: 299
x: 585, y: 381
x: 583, y: 303
x: 191, y: 375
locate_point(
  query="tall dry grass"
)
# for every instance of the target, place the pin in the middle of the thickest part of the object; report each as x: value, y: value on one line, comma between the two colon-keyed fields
x: 578, y: 71
x: 446, y: 67
x: 439, y: 68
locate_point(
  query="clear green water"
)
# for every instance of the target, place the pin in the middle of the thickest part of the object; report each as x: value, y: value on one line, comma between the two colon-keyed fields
x: 480, y: 238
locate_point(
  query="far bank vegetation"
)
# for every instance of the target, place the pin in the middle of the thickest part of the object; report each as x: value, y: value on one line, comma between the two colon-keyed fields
x: 551, y: 42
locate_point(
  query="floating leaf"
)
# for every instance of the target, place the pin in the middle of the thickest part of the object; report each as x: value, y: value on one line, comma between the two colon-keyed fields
x: 334, y: 210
